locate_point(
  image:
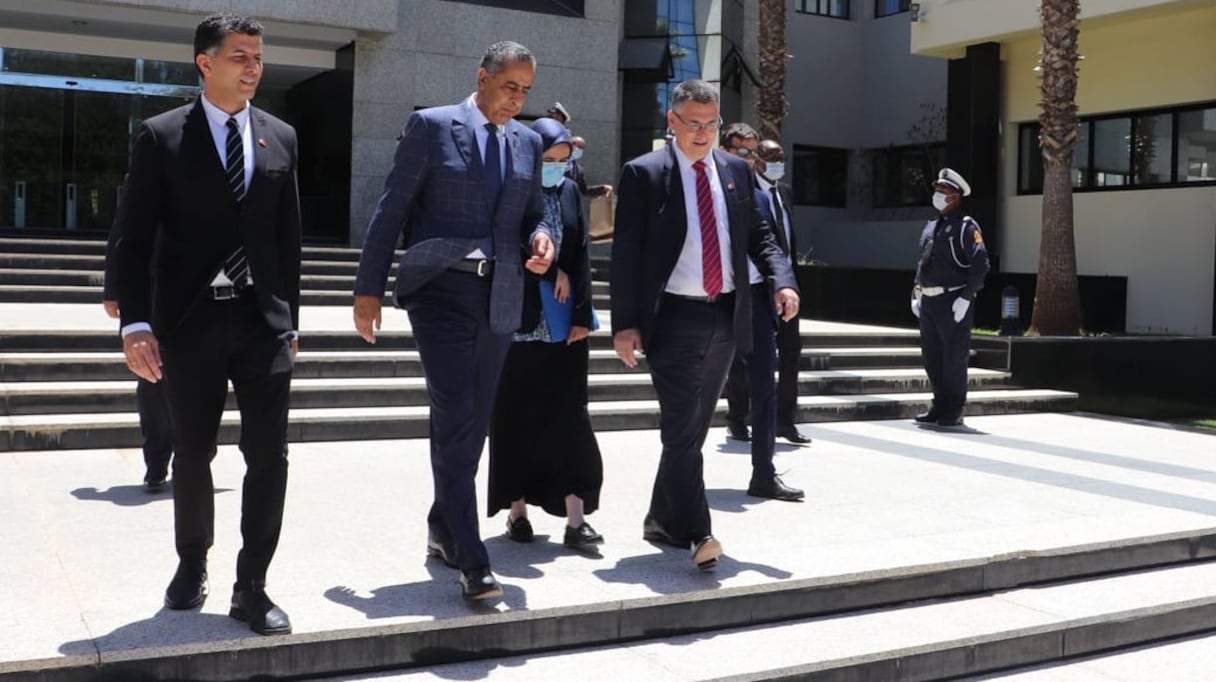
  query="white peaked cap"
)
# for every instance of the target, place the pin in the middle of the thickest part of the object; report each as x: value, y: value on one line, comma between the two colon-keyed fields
x: 557, y: 106
x: 951, y: 177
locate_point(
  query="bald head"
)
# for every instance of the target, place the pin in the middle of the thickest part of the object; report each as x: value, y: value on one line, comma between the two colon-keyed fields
x: 770, y: 150
x: 578, y: 142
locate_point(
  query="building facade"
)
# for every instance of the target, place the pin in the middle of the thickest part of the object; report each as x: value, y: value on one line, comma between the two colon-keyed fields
x: 1145, y: 171
x: 76, y: 77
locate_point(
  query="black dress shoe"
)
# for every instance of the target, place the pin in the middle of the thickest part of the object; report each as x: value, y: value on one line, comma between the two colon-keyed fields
x: 253, y: 606
x: 653, y: 531
x: 950, y: 421
x: 442, y: 552
x: 737, y: 431
x: 188, y: 588
x: 706, y: 552
x: 583, y: 535
x: 793, y: 435
x: 774, y: 489
x: 154, y: 485
x: 479, y: 583
x: 929, y: 417
x: 520, y: 530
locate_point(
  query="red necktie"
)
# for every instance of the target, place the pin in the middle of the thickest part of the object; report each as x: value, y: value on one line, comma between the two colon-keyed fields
x: 711, y: 254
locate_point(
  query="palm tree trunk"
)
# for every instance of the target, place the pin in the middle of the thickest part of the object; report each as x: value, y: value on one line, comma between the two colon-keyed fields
x: 1057, y: 303
x: 771, y: 105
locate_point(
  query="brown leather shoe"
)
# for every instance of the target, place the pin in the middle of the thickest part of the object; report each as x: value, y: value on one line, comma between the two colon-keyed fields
x: 706, y: 552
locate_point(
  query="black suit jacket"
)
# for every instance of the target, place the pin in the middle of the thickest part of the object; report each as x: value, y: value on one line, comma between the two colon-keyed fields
x: 176, y: 197
x: 792, y: 251
x: 651, y: 223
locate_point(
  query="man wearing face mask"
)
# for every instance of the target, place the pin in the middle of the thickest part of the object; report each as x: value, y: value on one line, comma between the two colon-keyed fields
x: 750, y: 381
x: 953, y: 263
x: 770, y: 169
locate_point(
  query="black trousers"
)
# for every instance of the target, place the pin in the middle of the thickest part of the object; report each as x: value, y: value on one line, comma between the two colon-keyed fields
x: 463, y: 361
x: 789, y: 357
x: 222, y: 341
x: 155, y: 427
x: 750, y: 387
x: 689, y: 354
x: 789, y: 354
x: 945, y: 347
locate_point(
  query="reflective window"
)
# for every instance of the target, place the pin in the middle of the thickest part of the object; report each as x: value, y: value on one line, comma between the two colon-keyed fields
x: 63, y: 64
x: 827, y: 8
x: 1164, y: 147
x: 820, y: 176
x: 1112, y: 142
x: 883, y: 8
x: 1197, y: 146
x: 903, y: 175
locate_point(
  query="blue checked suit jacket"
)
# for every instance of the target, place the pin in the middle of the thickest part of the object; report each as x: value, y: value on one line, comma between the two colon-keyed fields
x: 436, y: 193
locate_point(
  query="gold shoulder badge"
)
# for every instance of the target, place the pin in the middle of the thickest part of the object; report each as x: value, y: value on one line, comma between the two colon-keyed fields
x: 979, y: 238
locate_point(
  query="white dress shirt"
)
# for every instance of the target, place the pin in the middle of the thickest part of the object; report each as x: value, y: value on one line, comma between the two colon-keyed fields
x: 687, y: 278
x: 217, y: 121
x: 483, y: 137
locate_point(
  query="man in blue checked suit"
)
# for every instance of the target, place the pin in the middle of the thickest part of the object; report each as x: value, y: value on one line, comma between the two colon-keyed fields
x: 466, y: 187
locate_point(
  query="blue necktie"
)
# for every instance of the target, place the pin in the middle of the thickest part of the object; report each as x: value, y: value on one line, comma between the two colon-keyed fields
x: 493, y: 164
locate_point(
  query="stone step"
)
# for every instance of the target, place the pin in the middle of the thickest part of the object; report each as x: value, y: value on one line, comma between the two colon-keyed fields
x: 96, y: 278
x: 916, y: 622
x: 97, y: 247
x: 320, y: 265
x: 23, y: 293
x: 918, y: 641
x: 104, y: 430
x: 106, y: 340
x: 370, y: 362
x: 66, y: 397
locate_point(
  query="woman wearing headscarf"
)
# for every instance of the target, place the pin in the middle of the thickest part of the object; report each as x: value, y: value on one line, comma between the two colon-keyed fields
x: 543, y: 451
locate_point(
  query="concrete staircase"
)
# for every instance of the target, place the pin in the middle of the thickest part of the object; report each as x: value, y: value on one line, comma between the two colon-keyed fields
x: 71, y: 389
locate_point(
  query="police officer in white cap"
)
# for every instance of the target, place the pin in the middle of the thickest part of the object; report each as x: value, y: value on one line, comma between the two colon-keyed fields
x: 953, y: 263
x: 559, y: 113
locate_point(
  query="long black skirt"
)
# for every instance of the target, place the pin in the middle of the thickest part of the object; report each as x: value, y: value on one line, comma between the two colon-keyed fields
x: 542, y: 447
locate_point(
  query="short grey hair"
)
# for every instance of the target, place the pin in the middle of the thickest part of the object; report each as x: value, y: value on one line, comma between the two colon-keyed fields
x: 696, y: 90
x: 503, y: 53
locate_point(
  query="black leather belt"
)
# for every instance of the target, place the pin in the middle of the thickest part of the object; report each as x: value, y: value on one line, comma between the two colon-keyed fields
x: 728, y: 296
x: 227, y: 292
x: 476, y: 266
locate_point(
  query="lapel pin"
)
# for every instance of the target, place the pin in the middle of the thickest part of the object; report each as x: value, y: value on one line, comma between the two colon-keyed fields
x: 730, y: 186
x: 262, y: 143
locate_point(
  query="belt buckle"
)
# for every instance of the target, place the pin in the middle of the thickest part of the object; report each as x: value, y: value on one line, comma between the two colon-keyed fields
x: 481, y: 266
x: 223, y: 293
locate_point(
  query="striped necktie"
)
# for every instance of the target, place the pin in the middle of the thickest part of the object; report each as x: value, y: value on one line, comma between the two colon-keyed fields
x: 711, y: 252
x: 236, y: 267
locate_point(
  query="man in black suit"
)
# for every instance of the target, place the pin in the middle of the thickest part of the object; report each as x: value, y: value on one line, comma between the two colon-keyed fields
x: 770, y: 169
x: 150, y: 403
x: 466, y: 185
x: 687, y: 222
x: 749, y: 383
x: 213, y: 184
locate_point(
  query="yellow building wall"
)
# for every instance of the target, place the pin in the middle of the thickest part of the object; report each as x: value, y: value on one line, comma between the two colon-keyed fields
x: 1164, y: 240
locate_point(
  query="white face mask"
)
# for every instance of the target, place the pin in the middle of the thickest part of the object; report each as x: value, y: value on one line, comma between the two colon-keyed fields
x: 774, y: 171
x: 940, y: 201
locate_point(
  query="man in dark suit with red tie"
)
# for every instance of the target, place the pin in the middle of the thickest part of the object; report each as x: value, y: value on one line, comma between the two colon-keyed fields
x: 213, y: 186
x: 687, y: 223
x: 466, y: 186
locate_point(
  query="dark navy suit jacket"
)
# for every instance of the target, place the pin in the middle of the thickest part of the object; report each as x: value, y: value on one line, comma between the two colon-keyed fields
x: 437, y: 188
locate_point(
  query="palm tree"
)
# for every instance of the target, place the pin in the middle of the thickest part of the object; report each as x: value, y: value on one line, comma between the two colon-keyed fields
x: 771, y: 104
x: 1057, y: 304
